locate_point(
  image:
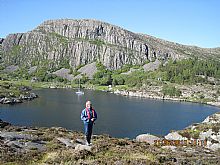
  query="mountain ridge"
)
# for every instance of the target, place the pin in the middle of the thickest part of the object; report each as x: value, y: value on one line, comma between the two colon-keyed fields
x: 83, y: 41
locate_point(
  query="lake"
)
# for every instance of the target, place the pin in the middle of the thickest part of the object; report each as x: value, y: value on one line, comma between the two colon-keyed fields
x: 118, y: 116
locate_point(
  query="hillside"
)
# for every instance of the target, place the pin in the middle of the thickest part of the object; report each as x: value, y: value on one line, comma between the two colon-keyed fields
x: 71, y: 43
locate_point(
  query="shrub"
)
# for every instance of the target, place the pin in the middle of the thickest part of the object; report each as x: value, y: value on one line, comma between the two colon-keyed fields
x: 170, y: 91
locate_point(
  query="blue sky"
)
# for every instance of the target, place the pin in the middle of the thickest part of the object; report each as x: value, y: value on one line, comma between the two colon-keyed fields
x: 190, y: 22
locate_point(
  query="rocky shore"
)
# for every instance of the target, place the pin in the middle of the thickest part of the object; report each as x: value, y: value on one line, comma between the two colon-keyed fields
x: 20, y: 99
x: 195, y: 93
x: 56, y: 145
x: 12, y: 94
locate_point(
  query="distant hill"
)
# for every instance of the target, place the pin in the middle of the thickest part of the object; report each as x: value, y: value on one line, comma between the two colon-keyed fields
x: 71, y: 43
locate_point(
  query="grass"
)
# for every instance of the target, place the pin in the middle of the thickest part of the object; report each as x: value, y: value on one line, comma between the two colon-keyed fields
x: 101, y: 88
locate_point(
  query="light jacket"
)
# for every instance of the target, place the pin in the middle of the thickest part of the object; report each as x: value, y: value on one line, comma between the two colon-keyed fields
x: 88, y: 114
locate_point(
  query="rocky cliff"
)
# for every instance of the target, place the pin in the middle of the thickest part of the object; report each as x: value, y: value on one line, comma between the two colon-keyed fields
x: 79, y: 42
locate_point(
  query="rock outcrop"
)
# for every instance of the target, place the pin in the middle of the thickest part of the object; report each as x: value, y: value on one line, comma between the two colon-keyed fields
x: 80, y: 42
x: 56, y: 145
x: 208, y: 130
x: 148, y: 138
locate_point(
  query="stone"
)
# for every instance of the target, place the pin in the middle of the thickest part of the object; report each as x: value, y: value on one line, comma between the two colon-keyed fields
x: 214, y: 147
x: 214, y: 119
x: 147, y: 138
x: 40, y: 146
x: 3, y: 124
x: 80, y: 147
x: 15, y: 136
x: 11, y: 68
x: 152, y: 66
x: 89, y: 70
x: 64, y: 73
x: 66, y: 141
x: 175, y: 136
x: 15, y: 144
x: 32, y: 69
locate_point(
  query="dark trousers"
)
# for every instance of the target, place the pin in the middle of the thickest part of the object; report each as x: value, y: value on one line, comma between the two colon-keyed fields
x: 88, y: 131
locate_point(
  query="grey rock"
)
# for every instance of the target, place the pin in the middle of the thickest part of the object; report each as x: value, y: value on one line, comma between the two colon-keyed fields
x: 214, y: 119
x: 89, y: 70
x: 147, y: 138
x: 32, y: 69
x: 64, y: 73
x: 34, y: 79
x: 11, y: 68
x: 175, y: 136
x: 15, y: 144
x: 80, y: 147
x: 25, y: 88
x: 66, y: 141
x: 214, y: 147
x: 40, y: 146
x: 6, y: 100
x: 152, y: 66
x: 3, y: 124
x: 15, y: 136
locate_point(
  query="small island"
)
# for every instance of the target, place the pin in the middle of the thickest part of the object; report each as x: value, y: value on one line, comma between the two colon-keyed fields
x: 12, y: 93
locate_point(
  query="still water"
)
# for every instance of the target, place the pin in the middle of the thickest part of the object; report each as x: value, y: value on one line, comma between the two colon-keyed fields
x: 118, y: 116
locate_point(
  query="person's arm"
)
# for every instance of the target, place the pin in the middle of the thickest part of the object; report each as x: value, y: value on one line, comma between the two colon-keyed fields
x: 84, y: 117
x: 95, y: 116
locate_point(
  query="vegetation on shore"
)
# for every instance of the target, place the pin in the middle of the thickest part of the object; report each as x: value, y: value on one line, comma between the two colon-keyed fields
x: 169, y: 78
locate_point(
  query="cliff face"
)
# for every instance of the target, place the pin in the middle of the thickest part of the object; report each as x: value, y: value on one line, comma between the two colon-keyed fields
x: 79, y: 42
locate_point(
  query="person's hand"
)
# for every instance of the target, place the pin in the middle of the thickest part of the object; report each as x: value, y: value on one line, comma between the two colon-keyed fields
x: 92, y: 119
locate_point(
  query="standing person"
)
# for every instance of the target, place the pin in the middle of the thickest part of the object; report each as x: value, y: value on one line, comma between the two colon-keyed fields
x: 88, y: 116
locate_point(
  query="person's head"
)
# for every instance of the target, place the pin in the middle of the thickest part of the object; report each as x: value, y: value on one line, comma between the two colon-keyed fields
x: 88, y: 104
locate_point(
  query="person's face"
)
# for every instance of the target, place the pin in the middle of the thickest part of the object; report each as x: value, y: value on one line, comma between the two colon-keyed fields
x: 89, y: 105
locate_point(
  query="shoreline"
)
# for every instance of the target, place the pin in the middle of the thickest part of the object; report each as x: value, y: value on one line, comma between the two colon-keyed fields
x: 162, y: 98
x: 154, y: 93
x: 142, y: 94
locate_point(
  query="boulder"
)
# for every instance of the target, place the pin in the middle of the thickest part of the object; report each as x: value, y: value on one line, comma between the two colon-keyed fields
x: 11, y: 68
x: 147, y: 138
x: 80, y: 147
x: 40, y: 146
x: 3, y: 124
x: 15, y: 136
x: 214, y: 119
x: 175, y: 136
x: 32, y: 69
x: 214, y: 147
x: 66, y: 141
x: 15, y: 144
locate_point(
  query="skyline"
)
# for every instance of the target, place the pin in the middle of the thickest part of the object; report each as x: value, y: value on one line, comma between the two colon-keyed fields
x: 184, y: 22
